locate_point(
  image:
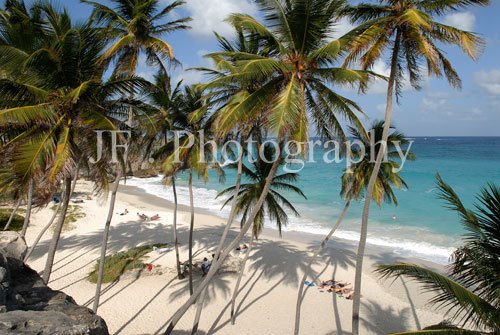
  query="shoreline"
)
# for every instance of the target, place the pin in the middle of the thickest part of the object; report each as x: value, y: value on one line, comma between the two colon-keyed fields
x: 294, y: 235
x: 269, y: 285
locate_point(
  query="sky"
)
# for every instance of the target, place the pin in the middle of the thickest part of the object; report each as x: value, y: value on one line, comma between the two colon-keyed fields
x: 436, y: 110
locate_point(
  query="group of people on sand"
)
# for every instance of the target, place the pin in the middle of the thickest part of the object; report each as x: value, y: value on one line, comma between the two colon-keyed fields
x: 142, y: 216
x: 205, y: 265
x: 342, y: 288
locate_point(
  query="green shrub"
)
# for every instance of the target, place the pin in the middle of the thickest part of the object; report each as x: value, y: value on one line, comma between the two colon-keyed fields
x: 17, y: 221
x: 115, y: 265
x: 73, y: 214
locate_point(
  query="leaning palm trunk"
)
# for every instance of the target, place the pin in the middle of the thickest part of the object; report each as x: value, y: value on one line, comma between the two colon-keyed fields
x: 238, y: 282
x: 57, y: 231
x: 191, y: 231
x: 369, y: 191
x: 13, y: 213
x: 216, y: 265
x: 104, y: 244
x: 311, y: 262
x: 232, y: 214
x: 28, y: 209
x: 176, y: 242
x: 44, y: 230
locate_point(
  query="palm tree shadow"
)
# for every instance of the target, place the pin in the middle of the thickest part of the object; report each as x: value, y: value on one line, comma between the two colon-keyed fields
x: 272, y: 259
x: 339, y: 257
x: 139, y: 312
x: 392, y: 321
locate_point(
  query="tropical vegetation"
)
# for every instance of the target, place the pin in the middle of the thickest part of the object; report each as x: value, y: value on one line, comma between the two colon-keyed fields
x: 282, y: 75
x: 468, y: 293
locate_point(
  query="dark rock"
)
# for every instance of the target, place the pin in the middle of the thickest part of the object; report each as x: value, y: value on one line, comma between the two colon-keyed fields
x: 28, y: 306
x: 147, y: 173
x: 13, y: 244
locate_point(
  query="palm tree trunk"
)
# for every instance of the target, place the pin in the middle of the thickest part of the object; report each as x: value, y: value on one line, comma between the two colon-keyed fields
x: 238, y: 282
x: 232, y: 214
x: 13, y: 213
x: 176, y: 242
x: 191, y: 231
x: 104, y: 244
x: 197, y: 316
x: 311, y: 262
x: 44, y: 230
x: 369, y: 191
x: 28, y: 209
x: 57, y: 231
x: 213, y: 269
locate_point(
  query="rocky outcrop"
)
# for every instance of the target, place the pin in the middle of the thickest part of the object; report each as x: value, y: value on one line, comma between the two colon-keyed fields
x: 147, y: 173
x: 28, y: 306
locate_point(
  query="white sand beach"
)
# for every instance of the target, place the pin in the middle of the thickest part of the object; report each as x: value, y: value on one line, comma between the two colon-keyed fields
x: 143, y: 303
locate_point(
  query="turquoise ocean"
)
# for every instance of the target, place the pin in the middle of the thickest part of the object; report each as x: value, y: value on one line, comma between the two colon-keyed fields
x: 423, y: 228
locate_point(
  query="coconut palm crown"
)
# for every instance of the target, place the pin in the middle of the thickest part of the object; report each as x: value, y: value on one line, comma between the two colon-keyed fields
x: 355, y: 180
x: 275, y: 202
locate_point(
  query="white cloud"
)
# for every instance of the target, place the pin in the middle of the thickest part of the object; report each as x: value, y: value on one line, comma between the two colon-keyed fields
x: 209, y: 15
x: 379, y: 86
x: 436, y: 102
x: 463, y: 20
x: 341, y: 28
x: 190, y: 77
x: 489, y: 80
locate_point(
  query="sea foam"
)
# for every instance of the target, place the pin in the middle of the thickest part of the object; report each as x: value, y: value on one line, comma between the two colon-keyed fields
x: 205, y: 198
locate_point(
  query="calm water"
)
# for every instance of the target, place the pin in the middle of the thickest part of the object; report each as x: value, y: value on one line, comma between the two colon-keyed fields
x: 423, y: 228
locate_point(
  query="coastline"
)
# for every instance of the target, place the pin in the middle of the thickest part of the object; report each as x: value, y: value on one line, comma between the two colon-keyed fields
x: 141, y: 303
x: 291, y: 235
x: 402, y: 245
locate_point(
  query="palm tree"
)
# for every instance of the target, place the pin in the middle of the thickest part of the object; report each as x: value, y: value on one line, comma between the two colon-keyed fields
x: 55, y: 105
x: 19, y: 35
x: 469, y: 294
x: 135, y: 27
x: 355, y: 181
x: 29, y: 205
x: 274, y: 205
x: 163, y: 98
x: 408, y: 31
x: 192, y: 117
x: 298, y: 75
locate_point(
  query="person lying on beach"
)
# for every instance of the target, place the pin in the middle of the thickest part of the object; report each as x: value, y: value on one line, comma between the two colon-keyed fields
x: 243, y: 247
x: 142, y: 216
x: 124, y: 213
x: 155, y: 217
x: 77, y: 201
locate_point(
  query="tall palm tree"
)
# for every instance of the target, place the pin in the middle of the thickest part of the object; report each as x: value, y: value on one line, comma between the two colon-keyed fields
x: 298, y: 76
x: 55, y: 105
x: 275, y: 205
x: 407, y: 30
x: 469, y: 293
x: 192, y: 116
x: 355, y: 181
x: 135, y: 27
x: 20, y: 28
x: 163, y: 99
